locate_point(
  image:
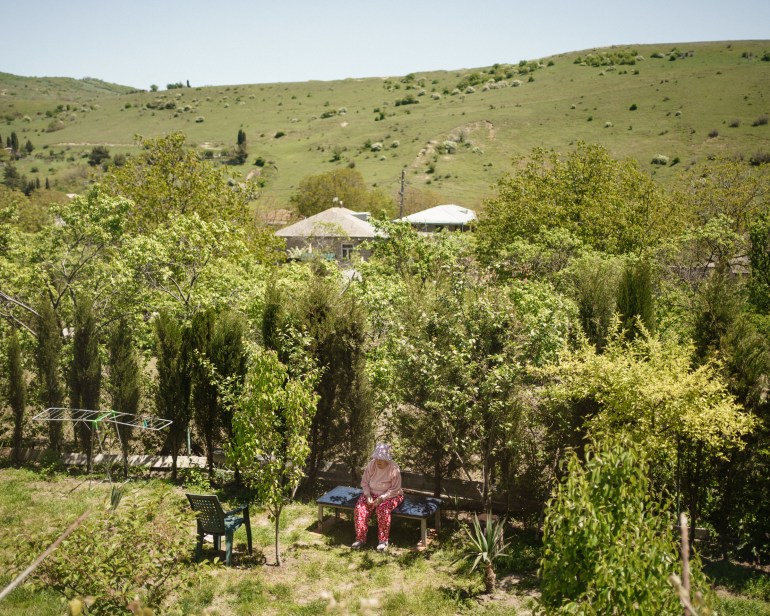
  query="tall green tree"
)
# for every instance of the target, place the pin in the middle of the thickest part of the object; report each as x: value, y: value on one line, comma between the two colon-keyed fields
x: 270, y: 432
x: 610, y: 205
x: 85, y: 374
x: 636, y: 304
x: 48, y: 359
x: 340, y: 187
x: 17, y: 392
x: 204, y: 389
x: 607, y: 543
x: 173, y: 365
x: 124, y: 383
x: 167, y: 180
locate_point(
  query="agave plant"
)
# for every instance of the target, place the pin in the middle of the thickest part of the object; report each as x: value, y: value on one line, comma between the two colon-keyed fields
x: 484, y: 546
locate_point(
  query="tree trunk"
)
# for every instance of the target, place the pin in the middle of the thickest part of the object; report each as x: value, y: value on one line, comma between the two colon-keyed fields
x: 277, y: 544
x: 490, y: 579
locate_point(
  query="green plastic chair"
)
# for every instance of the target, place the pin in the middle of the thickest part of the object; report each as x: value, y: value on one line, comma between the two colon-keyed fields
x: 214, y: 521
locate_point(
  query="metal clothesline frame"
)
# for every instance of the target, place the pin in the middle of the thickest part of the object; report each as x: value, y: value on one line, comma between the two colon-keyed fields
x: 93, y: 418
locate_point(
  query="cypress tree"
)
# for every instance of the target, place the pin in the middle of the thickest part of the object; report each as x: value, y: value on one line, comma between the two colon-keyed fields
x: 85, y: 373
x: 17, y: 392
x: 204, y: 392
x: 124, y: 383
x: 174, y: 382
x: 635, y: 302
x: 48, y: 356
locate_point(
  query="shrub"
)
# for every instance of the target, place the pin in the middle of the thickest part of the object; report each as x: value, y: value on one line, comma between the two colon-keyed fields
x: 136, y: 549
x: 200, y: 119
x: 608, y: 547
x: 713, y: 133
x: 760, y: 121
x: 633, y: 107
x: 376, y: 146
x: 760, y: 158
x: 659, y: 159
x: 735, y: 123
x: 279, y: 134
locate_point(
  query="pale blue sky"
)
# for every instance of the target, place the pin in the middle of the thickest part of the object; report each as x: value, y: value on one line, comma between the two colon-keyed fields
x: 143, y: 42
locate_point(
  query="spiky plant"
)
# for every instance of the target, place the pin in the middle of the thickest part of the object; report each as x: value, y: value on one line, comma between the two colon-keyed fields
x: 484, y: 546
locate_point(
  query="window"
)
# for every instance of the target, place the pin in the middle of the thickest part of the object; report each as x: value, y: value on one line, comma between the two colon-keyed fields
x: 347, y: 252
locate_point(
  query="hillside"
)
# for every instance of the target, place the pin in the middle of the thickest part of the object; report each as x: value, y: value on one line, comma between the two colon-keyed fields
x: 454, y: 132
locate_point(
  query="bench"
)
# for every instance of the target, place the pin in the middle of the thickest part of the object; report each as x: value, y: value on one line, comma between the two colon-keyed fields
x: 413, y: 507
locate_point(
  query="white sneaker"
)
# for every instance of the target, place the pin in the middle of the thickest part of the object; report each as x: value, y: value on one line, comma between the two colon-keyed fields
x: 357, y: 545
x: 382, y: 546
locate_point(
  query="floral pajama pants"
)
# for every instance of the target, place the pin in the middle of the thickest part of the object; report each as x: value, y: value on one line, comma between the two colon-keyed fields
x: 362, y: 512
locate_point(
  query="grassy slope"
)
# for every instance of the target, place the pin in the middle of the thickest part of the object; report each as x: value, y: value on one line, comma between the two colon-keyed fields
x: 711, y: 89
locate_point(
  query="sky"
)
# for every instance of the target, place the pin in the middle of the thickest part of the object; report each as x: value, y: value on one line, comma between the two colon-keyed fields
x: 227, y: 42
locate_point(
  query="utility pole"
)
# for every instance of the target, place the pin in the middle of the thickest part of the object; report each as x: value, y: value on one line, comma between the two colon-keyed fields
x: 401, y: 196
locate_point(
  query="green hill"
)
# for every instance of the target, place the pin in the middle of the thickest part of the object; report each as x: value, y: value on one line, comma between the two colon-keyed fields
x: 453, y: 132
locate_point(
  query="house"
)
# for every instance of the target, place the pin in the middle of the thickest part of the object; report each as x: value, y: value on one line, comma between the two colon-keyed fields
x: 450, y: 217
x: 334, y: 233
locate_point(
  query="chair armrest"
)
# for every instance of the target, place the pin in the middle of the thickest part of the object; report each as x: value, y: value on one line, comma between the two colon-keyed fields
x: 237, y: 510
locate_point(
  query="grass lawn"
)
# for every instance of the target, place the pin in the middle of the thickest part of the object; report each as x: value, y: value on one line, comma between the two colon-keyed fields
x: 319, y: 569
x: 320, y: 573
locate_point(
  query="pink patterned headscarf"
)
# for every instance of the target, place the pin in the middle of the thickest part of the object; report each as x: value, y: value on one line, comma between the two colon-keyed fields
x: 383, y: 451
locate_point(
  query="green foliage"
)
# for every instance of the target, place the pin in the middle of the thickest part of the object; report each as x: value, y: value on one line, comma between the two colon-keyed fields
x: 124, y: 383
x: 635, y: 303
x: 647, y: 388
x: 99, y: 153
x: 485, y: 545
x: 167, y: 180
x: 340, y: 187
x: 85, y: 374
x: 139, y: 549
x: 271, y: 423
x: 48, y: 358
x: 608, y: 547
x: 172, y: 396
x: 610, y: 205
x: 17, y: 391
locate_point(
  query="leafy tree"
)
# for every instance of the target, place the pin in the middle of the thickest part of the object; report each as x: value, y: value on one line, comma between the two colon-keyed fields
x: 17, y: 392
x: 167, y: 180
x: 185, y: 261
x: 334, y: 323
x: 610, y: 205
x: 340, y: 187
x: 635, y: 298
x: 270, y: 431
x: 228, y: 357
x: 99, y: 153
x: 172, y: 396
x: 607, y: 545
x: 28, y: 147
x: 48, y: 358
x: 204, y: 390
x: 85, y: 376
x: 124, y: 385
x: 594, y: 279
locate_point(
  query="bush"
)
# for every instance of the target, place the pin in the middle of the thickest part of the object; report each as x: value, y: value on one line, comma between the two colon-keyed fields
x: 140, y: 549
x: 760, y: 121
x: 279, y: 134
x: 735, y: 123
x: 633, y: 107
x: 713, y: 134
x: 659, y: 159
x: 608, y: 547
x: 200, y: 119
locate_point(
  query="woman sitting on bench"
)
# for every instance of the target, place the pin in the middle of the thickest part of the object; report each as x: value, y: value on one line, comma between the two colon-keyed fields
x: 381, y: 484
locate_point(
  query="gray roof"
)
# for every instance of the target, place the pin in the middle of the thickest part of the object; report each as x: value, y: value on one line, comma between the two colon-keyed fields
x: 334, y: 222
x: 449, y: 214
